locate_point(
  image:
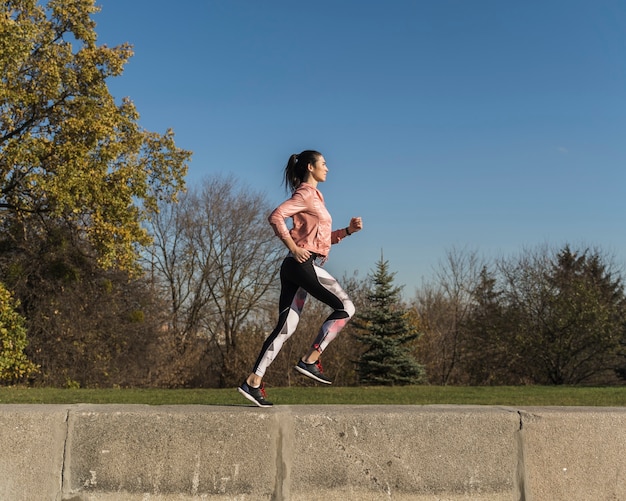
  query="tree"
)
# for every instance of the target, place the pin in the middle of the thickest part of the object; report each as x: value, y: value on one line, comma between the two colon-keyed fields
x: 68, y: 151
x: 384, y: 328
x: 77, y: 177
x: 14, y: 364
x: 569, y: 316
x: 443, y: 307
x: 87, y: 326
x: 488, y: 356
x: 216, y: 260
x: 543, y: 317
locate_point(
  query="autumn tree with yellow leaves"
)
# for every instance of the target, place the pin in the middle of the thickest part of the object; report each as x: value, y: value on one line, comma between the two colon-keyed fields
x: 68, y: 151
x: 14, y: 364
x: 78, y: 175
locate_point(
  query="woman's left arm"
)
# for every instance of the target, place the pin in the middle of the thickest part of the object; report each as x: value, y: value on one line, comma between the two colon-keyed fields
x: 356, y: 224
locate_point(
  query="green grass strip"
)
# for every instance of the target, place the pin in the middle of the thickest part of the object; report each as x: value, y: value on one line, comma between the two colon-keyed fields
x: 401, y: 395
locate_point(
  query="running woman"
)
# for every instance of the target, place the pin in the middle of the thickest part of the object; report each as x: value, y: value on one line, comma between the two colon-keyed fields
x: 301, y: 273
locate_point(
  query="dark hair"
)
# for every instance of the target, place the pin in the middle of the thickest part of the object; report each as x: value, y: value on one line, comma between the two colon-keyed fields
x: 296, y: 170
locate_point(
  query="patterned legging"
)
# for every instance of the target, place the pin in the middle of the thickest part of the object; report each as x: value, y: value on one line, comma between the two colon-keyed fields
x: 297, y: 280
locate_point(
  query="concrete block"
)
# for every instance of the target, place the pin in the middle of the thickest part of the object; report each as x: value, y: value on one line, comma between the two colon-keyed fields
x: 330, y: 453
x: 32, y: 441
x: 183, y: 452
x: 574, y: 453
x: 404, y: 453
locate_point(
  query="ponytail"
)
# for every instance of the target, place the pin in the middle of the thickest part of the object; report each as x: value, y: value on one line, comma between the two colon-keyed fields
x: 297, y: 170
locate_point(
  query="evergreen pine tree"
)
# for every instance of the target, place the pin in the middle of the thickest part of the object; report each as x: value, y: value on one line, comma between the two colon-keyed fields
x: 385, y: 329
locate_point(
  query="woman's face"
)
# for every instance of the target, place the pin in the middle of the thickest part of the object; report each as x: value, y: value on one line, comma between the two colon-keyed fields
x: 318, y: 170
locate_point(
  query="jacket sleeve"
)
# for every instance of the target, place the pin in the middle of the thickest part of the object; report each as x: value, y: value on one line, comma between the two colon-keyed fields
x: 338, y: 235
x: 297, y: 203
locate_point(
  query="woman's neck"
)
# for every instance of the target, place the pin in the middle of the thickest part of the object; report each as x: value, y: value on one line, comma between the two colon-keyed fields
x: 310, y: 180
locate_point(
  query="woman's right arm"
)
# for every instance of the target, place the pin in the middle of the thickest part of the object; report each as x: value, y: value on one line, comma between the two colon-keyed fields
x: 287, y: 209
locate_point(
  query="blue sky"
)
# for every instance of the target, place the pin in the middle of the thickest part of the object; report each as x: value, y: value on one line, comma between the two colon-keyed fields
x: 488, y: 125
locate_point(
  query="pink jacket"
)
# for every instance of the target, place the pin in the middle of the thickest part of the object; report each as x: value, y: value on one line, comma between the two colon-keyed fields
x: 312, y: 224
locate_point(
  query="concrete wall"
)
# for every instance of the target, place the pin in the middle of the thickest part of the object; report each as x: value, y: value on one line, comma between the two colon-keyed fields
x: 422, y: 453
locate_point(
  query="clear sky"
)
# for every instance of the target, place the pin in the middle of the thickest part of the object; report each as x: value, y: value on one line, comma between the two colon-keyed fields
x: 490, y: 125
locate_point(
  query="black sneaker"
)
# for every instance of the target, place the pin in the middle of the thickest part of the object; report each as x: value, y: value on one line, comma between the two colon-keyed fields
x: 314, y: 371
x: 255, y: 395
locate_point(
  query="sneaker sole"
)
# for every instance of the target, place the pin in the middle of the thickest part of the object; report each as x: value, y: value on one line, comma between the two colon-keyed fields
x: 252, y: 399
x: 308, y: 374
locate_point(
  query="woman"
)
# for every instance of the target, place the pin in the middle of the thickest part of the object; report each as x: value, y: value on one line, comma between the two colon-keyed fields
x: 309, y: 243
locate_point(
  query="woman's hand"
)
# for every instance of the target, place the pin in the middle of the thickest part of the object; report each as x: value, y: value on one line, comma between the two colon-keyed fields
x: 300, y: 254
x: 356, y: 224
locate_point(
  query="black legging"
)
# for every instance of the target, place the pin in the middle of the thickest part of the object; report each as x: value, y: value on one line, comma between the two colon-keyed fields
x: 297, y: 280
